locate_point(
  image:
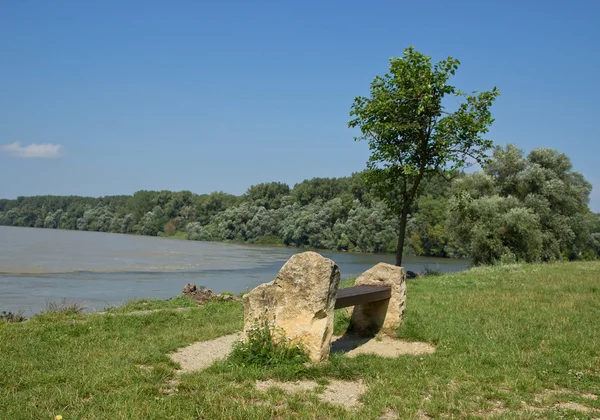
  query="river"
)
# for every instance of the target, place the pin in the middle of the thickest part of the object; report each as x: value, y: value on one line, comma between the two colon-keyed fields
x: 102, y: 269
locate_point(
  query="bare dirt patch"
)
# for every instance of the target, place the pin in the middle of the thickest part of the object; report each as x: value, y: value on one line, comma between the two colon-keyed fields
x: 389, y: 414
x: 497, y: 409
x: 552, y: 392
x: 422, y: 415
x: 291, y: 387
x: 545, y: 398
x: 576, y: 407
x: 352, y: 345
x: 344, y: 393
x: 202, y: 354
x: 170, y: 387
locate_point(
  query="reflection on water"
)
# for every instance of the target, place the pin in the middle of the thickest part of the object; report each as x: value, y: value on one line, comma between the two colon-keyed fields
x: 101, y: 269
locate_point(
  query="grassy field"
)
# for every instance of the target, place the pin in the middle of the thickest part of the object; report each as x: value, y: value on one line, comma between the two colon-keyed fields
x: 511, y: 342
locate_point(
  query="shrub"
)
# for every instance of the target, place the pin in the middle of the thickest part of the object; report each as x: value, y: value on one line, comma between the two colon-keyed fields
x: 266, y: 345
x: 12, y: 317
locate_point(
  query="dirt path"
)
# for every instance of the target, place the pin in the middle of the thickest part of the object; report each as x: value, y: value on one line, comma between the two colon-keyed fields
x: 352, y: 346
x: 202, y: 354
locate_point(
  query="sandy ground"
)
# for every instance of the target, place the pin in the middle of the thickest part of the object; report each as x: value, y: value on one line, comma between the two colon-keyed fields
x: 352, y: 346
x: 202, y: 354
x: 344, y: 393
x: 291, y: 387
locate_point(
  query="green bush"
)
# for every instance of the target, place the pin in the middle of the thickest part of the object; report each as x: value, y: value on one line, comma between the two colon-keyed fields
x: 266, y: 345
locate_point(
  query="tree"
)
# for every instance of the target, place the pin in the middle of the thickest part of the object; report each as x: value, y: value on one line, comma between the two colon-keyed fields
x: 529, y: 209
x: 412, y: 136
x: 268, y: 195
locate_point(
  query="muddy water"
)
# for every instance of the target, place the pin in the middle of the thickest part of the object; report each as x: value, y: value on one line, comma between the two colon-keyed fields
x: 101, y: 269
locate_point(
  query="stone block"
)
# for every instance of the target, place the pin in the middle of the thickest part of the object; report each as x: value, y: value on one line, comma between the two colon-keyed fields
x: 300, y: 302
x: 383, y: 317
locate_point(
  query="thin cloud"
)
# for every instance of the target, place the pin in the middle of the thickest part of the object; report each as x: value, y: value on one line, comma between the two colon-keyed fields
x: 44, y: 150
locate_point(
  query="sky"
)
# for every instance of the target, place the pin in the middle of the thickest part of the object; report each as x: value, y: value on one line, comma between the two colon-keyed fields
x: 111, y: 97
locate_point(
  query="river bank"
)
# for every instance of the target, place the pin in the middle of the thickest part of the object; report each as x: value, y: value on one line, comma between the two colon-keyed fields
x: 515, y: 341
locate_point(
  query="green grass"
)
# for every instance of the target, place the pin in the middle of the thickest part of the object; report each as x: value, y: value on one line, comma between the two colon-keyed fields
x: 174, y: 235
x: 273, y: 240
x: 503, y: 335
x: 153, y: 304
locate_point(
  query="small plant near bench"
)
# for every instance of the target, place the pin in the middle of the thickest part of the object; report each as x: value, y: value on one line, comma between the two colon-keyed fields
x: 266, y: 345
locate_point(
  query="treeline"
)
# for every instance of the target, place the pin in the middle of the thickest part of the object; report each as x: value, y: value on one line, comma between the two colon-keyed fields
x: 520, y: 208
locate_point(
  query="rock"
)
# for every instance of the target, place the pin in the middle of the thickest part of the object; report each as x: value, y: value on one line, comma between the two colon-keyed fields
x: 189, y: 289
x: 299, y: 302
x: 201, y: 295
x: 227, y: 297
x: 383, y: 317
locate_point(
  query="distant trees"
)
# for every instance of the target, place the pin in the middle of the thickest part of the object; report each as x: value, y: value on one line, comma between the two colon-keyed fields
x: 520, y: 208
x: 411, y: 134
x: 268, y: 195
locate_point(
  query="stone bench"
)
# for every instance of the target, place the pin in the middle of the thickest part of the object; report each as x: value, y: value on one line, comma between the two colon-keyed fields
x: 301, y: 300
x: 358, y: 295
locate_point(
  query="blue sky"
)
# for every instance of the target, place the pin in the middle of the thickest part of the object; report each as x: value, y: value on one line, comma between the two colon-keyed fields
x: 206, y: 96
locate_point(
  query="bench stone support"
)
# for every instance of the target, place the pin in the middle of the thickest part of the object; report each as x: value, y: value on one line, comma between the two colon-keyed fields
x: 299, y: 303
x: 385, y: 316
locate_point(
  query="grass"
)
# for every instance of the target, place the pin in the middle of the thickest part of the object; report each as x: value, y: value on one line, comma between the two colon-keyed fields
x: 174, y: 235
x: 504, y: 336
x: 153, y: 304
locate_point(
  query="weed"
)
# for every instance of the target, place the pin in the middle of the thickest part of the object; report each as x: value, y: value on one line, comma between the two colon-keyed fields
x: 64, y: 310
x: 431, y: 272
x: 12, y: 317
x: 64, y: 307
x: 266, y: 345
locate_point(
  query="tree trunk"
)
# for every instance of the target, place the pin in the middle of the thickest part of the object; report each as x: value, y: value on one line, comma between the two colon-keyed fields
x: 402, y: 233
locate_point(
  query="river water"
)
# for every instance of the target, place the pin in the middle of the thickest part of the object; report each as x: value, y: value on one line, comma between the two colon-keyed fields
x: 101, y: 269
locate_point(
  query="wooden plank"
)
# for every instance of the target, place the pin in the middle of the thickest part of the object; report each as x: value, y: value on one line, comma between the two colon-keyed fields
x: 358, y: 295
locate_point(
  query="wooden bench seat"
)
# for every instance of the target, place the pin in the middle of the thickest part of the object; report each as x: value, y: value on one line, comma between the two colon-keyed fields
x: 359, y: 295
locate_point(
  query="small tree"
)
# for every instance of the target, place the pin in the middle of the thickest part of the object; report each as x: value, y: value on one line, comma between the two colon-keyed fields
x: 412, y: 136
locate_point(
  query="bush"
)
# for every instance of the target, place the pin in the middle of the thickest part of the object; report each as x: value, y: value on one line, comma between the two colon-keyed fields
x: 12, y: 317
x: 266, y: 345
